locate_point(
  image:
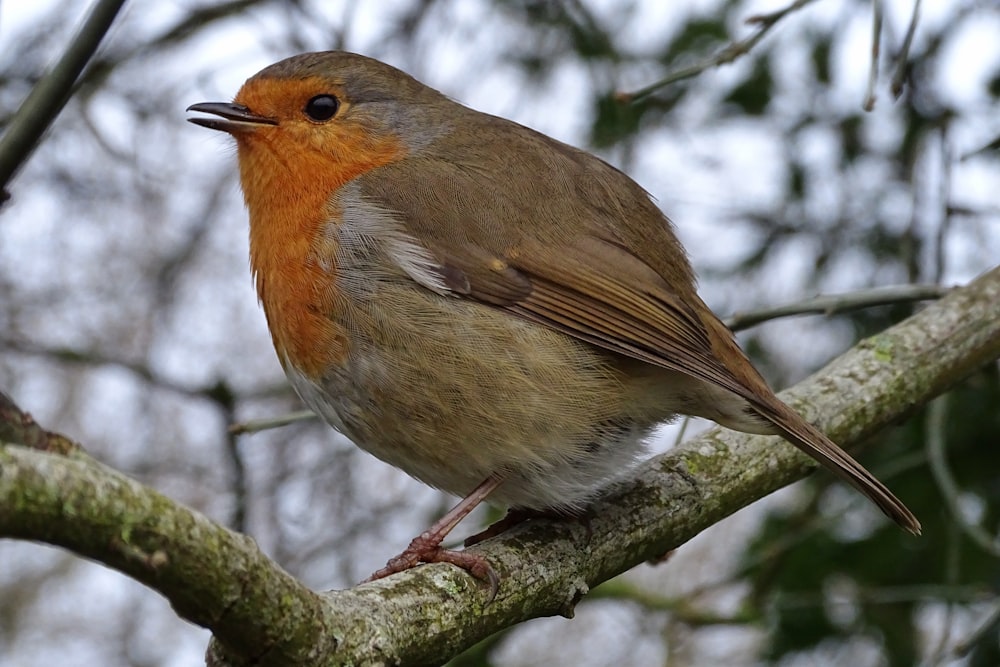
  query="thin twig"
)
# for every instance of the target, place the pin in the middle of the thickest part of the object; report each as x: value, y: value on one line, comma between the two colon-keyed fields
x: 990, y: 625
x: 52, y: 91
x: 728, y: 54
x: 225, y: 400
x: 936, y: 419
x: 681, y: 608
x: 945, y: 196
x: 953, y: 541
x: 682, y: 431
x: 20, y: 427
x: 829, y: 304
x: 869, y: 102
x: 257, y: 425
x: 95, y: 358
x: 891, y: 595
x: 904, y: 53
x: 993, y: 145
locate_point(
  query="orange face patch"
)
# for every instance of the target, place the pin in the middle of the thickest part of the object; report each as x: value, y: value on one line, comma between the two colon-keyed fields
x: 289, y: 173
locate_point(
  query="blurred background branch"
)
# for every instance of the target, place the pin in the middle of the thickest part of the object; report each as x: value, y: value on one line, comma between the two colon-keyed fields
x: 50, y: 94
x: 724, y: 56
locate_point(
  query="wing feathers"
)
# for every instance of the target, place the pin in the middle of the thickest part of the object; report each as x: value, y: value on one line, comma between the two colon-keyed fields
x: 599, y: 263
x: 810, y: 440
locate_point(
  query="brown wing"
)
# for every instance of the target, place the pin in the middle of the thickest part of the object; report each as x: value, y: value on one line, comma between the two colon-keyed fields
x: 553, y: 234
x: 559, y: 237
x: 600, y: 293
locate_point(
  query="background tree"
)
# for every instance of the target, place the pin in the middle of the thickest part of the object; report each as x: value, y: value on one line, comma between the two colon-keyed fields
x: 129, y: 323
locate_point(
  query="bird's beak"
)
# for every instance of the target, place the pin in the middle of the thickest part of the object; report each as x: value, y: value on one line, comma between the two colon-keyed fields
x: 233, y: 118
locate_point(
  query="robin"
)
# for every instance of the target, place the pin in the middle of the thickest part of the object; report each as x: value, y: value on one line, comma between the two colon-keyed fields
x: 488, y: 309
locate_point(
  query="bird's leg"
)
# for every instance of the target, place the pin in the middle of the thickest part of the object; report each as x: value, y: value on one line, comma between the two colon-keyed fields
x: 513, y: 517
x: 518, y: 515
x: 426, y: 547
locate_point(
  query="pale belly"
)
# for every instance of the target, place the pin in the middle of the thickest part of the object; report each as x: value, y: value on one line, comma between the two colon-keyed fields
x: 456, y: 391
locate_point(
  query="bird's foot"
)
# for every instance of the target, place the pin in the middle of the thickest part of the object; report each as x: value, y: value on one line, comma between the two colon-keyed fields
x: 426, y: 548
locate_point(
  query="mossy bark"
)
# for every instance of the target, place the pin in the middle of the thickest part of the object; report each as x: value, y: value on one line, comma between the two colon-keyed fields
x: 262, y: 616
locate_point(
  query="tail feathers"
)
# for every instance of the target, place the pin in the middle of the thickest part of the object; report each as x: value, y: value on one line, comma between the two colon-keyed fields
x: 810, y: 440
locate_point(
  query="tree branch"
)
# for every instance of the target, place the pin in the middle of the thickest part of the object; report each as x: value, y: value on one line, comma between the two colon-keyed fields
x: 869, y: 102
x: 903, y: 58
x: 211, y: 575
x: 724, y: 56
x: 51, y: 93
x: 947, y: 486
x: 261, y: 616
x: 830, y: 304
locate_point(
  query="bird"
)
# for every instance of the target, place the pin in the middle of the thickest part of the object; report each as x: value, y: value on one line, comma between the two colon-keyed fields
x: 498, y: 314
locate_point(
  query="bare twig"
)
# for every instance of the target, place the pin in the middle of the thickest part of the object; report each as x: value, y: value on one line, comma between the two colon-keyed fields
x: 728, y: 54
x: 877, y: 13
x: 685, y: 422
x: 255, y: 425
x: 936, y: 418
x: 904, y: 52
x: 991, y: 146
x: 830, y: 304
x: 941, y: 236
x: 893, y: 595
x: 952, y: 559
x: 680, y: 608
x: 52, y: 91
x: 68, y: 355
x: 989, y: 625
x: 20, y: 427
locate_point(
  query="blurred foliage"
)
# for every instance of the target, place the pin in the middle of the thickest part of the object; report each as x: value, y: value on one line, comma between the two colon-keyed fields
x: 753, y: 95
x: 887, y: 575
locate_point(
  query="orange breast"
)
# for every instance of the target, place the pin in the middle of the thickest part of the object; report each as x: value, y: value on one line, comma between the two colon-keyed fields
x: 288, y: 185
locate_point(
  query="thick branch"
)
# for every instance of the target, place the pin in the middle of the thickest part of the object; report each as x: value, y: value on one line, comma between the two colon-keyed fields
x: 260, y: 616
x: 212, y: 576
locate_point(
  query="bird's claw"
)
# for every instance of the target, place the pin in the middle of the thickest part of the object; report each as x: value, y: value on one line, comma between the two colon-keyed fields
x: 423, y: 550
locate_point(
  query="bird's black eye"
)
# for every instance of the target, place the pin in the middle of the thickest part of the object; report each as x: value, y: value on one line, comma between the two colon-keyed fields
x: 322, y: 107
